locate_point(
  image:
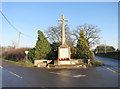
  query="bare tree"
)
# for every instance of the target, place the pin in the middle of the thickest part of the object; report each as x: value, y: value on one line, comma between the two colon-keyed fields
x: 14, y: 44
x: 54, y: 34
x: 91, y: 33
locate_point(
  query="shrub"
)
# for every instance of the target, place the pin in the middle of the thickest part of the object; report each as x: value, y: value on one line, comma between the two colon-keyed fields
x: 31, y: 54
x: 92, y: 56
x: 53, y: 55
x: 42, y: 47
x: 97, y: 63
x: 102, y: 48
x: 83, y: 51
x: 15, y: 54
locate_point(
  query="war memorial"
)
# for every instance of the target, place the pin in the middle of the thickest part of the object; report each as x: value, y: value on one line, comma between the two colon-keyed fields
x: 64, y: 55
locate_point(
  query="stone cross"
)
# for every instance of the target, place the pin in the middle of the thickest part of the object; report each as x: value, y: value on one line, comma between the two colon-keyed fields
x: 63, y: 28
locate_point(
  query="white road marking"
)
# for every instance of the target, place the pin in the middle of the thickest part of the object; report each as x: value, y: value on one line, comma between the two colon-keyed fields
x: 15, y: 74
x: 12, y: 73
x: 53, y: 72
x: 1, y: 67
x: 76, y: 76
x: 79, y: 76
x: 57, y: 73
x: 110, y: 69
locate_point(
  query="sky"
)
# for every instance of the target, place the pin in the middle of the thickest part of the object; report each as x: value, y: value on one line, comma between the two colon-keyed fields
x: 29, y: 17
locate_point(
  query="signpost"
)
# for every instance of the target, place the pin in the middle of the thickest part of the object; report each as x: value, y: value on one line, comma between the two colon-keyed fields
x: 26, y: 52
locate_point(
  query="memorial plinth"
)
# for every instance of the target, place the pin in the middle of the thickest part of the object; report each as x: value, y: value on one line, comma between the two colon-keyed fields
x: 64, y: 52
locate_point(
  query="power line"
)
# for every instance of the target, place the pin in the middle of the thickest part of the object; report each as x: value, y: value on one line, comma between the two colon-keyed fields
x: 27, y: 35
x: 14, y: 26
x: 9, y: 22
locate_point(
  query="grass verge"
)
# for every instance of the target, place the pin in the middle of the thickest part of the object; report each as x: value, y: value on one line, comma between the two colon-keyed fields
x: 29, y: 64
x: 97, y: 63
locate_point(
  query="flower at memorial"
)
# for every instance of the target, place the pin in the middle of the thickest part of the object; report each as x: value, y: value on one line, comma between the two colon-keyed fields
x: 62, y: 59
x: 59, y: 59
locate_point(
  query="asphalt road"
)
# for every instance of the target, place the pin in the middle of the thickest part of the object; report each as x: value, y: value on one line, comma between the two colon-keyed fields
x: 109, y: 62
x: 18, y: 76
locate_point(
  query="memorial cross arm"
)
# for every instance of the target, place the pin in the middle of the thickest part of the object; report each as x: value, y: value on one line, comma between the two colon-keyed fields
x: 62, y: 19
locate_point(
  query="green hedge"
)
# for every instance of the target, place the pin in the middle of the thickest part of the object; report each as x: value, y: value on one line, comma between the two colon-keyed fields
x: 114, y: 55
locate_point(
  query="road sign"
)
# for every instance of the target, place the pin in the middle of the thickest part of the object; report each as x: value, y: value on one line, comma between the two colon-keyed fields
x: 26, y: 52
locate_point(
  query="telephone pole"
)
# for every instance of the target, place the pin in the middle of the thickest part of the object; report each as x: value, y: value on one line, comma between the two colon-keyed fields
x: 19, y: 39
x: 105, y: 46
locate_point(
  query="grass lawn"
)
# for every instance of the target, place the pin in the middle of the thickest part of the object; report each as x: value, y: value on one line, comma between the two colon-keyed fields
x: 29, y: 64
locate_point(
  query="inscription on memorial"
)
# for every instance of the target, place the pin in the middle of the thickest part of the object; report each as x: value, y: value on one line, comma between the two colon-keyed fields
x: 64, y: 53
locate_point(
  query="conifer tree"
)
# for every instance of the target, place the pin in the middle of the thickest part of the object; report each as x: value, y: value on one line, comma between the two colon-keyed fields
x: 42, y: 47
x: 83, y: 51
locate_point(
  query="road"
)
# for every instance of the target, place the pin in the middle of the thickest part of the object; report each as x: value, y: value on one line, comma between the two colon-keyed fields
x: 18, y: 76
x: 109, y: 62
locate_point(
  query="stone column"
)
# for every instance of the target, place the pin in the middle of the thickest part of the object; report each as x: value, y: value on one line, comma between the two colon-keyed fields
x: 63, y: 30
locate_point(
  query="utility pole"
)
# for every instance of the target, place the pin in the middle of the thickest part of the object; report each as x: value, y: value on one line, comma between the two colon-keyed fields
x: 19, y: 39
x: 105, y: 46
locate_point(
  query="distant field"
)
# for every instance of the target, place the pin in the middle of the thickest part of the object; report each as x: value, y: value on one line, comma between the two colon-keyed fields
x: 114, y: 55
